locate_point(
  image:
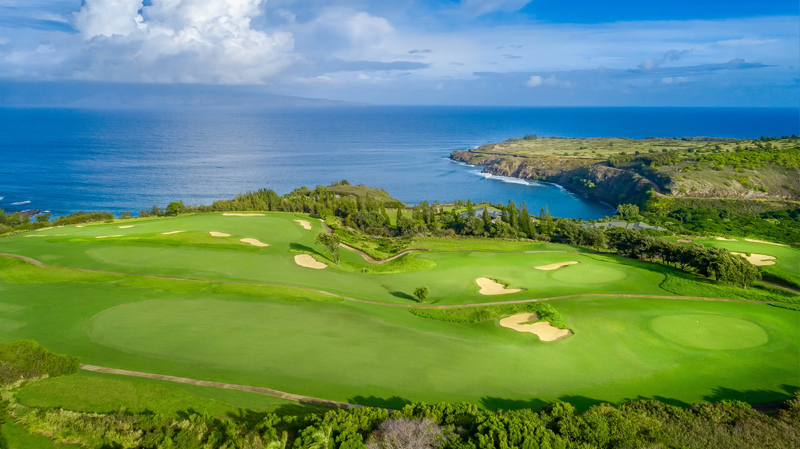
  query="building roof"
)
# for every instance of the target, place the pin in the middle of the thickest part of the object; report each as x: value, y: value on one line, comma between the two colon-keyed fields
x: 479, y: 213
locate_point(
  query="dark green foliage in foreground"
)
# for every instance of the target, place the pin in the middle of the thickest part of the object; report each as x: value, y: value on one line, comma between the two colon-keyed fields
x: 641, y: 424
x: 25, y: 359
x: 473, y: 315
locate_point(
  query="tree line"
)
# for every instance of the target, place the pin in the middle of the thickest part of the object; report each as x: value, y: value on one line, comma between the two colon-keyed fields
x: 639, y: 424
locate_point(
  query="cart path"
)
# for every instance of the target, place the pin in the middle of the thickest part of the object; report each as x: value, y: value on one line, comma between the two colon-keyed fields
x: 380, y: 303
x: 206, y: 383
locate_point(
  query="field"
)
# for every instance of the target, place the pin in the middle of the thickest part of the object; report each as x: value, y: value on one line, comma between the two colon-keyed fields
x: 147, y: 298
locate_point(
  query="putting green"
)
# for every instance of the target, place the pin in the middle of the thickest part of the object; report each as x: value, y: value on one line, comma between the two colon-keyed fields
x: 706, y: 331
x: 588, y: 274
x: 305, y: 342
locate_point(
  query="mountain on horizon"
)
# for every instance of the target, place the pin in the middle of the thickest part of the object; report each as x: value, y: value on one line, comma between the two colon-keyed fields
x: 78, y: 94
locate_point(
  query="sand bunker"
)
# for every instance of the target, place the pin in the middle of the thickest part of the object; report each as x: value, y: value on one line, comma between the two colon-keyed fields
x: 759, y: 260
x: 34, y: 235
x: 492, y: 287
x: 255, y: 242
x: 45, y: 229
x: 543, y: 329
x: 684, y: 241
x: 304, y: 223
x: 242, y: 215
x: 219, y: 234
x: 106, y: 236
x: 761, y: 241
x: 305, y: 260
x: 79, y: 226
x: 556, y: 266
x: 171, y: 232
x: 126, y: 227
x: 726, y: 240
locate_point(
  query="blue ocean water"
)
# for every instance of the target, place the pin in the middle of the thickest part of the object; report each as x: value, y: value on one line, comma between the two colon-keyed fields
x: 64, y: 160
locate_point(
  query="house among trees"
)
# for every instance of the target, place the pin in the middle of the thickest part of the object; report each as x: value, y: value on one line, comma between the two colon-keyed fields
x: 638, y: 226
x: 495, y: 215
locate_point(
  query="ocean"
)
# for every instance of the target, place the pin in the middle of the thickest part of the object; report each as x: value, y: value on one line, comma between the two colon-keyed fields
x: 65, y: 160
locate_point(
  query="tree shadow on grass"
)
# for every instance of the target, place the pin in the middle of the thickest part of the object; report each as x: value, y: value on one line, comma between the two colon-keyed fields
x: 581, y: 403
x: 494, y: 404
x: 394, y: 402
x: 665, y: 400
x: 297, y: 247
x: 761, y: 399
x: 402, y: 295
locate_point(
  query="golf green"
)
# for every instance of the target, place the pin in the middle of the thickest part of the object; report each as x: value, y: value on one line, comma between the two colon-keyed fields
x: 252, y: 316
x: 707, y: 331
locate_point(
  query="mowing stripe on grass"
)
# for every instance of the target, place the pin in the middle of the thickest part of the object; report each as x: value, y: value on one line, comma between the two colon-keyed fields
x: 378, y: 303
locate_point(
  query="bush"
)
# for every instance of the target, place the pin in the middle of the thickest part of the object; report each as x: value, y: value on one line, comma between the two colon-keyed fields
x: 25, y: 359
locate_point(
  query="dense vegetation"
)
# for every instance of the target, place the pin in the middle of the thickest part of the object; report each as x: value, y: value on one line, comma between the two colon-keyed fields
x: 25, y: 359
x: 639, y: 424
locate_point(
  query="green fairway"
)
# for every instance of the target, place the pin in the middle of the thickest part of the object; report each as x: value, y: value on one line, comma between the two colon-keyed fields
x: 288, y: 337
x: 787, y: 259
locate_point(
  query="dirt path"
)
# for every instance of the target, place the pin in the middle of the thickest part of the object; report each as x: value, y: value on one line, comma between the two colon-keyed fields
x: 206, y: 383
x: 380, y: 303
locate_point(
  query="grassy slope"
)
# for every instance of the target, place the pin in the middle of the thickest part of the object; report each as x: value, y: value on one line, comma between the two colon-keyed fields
x: 373, y: 354
x: 106, y: 393
x: 451, y: 277
x: 16, y: 437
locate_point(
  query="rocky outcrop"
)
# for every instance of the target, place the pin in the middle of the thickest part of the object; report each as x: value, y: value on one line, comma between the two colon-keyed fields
x: 584, y: 176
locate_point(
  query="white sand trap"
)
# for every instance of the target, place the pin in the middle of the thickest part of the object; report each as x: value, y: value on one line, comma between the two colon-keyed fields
x: 79, y: 226
x: 305, y: 260
x: 492, y: 287
x: 35, y: 235
x: 545, y: 330
x: 242, y: 215
x: 107, y: 236
x: 684, y: 241
x: 219, y: 234
x: 126, y: 227
x: 255, y: 242
x: 761, y: 241
x: 304, y: 223
x: 759, y: 260
x: 171, y: 232
x: 726, y: 240
x: 45, y: 229
x: 556, y: 266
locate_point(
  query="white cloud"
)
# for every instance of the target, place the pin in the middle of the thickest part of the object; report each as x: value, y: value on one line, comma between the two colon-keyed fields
x: 534, y: 81
x: 551, y: 81
x: 669, y: 80
x: 195, y: 41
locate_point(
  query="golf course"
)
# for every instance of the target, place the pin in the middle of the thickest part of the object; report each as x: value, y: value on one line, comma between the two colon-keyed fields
x: 251, y: 299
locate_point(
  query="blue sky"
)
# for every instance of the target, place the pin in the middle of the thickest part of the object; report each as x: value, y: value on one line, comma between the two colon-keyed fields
x: 477, y: 52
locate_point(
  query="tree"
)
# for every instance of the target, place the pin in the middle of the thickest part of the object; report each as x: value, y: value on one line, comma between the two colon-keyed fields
x: 175, y: 208
x: 421, y: 293
x: 331, y: 243
x: 473, y: 226
x: 628, y: 210
x: 487, y: 219
x: 43, y: 218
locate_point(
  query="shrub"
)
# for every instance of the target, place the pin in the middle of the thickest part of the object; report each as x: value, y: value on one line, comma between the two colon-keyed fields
x: 25, y: 359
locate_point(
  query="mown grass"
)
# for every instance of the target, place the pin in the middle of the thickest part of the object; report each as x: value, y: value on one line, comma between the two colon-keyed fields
x: 106, y: 393
x: 308, y: 343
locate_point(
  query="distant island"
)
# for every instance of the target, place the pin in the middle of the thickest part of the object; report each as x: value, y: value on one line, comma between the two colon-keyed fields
x: 620, y: 170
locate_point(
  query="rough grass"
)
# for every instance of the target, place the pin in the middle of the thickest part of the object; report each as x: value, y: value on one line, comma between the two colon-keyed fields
x: 25, y: 359
x: 474, y: 315
x: 108, y: 393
